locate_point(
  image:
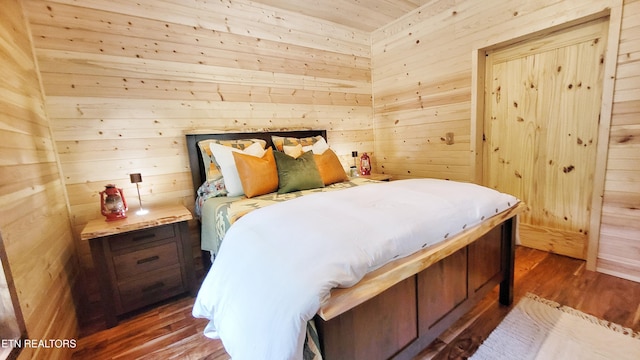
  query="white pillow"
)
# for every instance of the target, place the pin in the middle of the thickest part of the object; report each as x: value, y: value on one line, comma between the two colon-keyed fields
x: 293, y: 150
x: 224, y: 157
x: 319, y: 147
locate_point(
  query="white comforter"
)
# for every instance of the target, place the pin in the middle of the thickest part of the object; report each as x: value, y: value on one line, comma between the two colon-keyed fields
x: 277, y: 264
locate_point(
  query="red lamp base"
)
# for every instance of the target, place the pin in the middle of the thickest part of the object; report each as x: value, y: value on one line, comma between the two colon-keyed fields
x: 115, y: 216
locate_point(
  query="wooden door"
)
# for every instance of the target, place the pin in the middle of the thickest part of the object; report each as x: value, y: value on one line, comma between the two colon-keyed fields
x: 542, y: 109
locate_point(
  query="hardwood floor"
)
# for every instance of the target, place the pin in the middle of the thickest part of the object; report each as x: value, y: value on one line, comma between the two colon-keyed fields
x: 170, y: 332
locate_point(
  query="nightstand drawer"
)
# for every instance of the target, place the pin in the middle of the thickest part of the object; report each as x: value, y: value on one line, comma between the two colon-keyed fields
x: 150, y: 289
x: 140, y: 237
x: 136, y: 262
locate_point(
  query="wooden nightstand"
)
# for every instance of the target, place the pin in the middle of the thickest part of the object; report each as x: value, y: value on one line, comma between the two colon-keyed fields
x: 378, y: 177
x: 142, y: 259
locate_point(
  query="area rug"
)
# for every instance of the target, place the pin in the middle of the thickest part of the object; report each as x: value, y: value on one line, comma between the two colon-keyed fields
x: 538, y: 328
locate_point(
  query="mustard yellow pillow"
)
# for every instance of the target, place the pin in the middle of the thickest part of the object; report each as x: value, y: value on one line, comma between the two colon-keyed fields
x: 331, y: 170
x: 227, y: 165
x: 257, y: 175
x: 212, y: 168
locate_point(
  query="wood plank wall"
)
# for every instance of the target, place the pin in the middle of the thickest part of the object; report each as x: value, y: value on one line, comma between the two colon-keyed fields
x: 619, y: 250
x: 34, y: 218
x: 125, y: 80
x: 422, y: 78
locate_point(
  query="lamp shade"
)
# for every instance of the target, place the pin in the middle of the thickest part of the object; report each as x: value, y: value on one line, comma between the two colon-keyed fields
x: 135, y: 178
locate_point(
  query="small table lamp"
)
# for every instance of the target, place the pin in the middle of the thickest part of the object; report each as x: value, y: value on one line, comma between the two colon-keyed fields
x: 136, y: 179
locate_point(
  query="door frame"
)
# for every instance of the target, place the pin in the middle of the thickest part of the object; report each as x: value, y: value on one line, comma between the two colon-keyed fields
x: 611, y: 58
x: 13, y: 295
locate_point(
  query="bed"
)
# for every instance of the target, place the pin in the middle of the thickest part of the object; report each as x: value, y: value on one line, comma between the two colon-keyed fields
x: 393, y: 308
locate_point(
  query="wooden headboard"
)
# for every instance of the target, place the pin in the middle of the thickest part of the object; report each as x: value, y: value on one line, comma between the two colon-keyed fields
x: 195, y: 157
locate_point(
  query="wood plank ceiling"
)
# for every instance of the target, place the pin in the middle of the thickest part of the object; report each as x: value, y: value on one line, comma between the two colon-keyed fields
x: 366, y: 15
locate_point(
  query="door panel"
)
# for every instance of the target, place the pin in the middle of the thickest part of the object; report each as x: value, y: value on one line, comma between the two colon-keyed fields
x: 542, y: 105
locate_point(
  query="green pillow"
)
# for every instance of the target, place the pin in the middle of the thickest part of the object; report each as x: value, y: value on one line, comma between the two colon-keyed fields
x: 297, y: 173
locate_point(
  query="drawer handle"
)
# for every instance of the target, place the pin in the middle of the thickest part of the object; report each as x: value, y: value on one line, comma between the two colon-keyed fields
x: 150, y: 258
x: 143, y: 237
x: 155, y: 286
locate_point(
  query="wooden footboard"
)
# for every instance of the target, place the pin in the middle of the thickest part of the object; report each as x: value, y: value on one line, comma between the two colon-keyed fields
x: 397, y: 310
